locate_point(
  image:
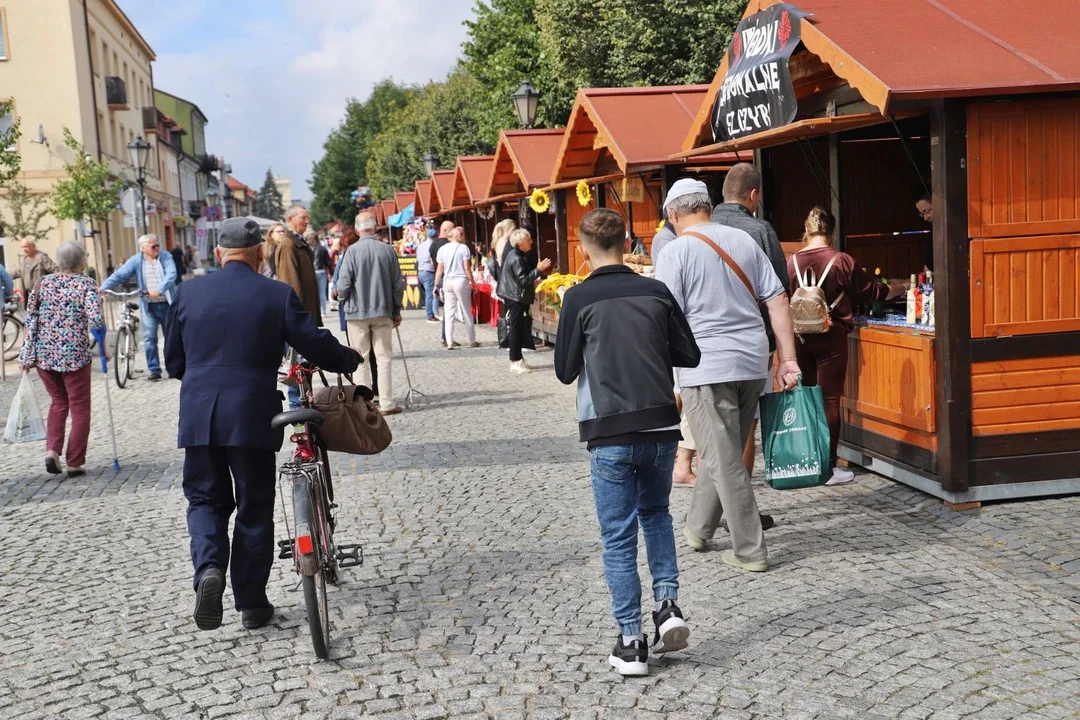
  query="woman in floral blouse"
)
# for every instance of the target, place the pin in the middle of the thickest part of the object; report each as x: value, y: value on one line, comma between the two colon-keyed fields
x: 59, y: 314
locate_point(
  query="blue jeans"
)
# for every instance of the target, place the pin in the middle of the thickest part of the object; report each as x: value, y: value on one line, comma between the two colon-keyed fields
x: 431, y: 303
x: 153, y: 317
x: 320, y: 278
x: 632, y: 483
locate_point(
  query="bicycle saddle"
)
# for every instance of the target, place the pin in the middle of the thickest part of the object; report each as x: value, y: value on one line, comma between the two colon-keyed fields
x: 296, y: 417
x: 132, y: 306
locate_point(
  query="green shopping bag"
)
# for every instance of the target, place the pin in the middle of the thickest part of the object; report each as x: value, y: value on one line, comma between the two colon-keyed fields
x: 796, y: 438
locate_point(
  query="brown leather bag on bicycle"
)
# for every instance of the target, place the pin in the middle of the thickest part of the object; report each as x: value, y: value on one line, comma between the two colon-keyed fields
x: 352, y: 424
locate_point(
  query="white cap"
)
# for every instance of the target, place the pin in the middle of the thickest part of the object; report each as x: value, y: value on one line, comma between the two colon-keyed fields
x: 685, y: 186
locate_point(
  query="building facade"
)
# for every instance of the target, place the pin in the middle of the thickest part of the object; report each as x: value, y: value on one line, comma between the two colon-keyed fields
x: 85, y: 67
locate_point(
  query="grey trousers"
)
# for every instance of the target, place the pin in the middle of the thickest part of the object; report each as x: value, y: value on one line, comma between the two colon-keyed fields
x: 721, y: 417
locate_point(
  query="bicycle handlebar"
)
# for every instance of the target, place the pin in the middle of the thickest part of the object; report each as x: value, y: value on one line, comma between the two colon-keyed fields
x: 125, y: 295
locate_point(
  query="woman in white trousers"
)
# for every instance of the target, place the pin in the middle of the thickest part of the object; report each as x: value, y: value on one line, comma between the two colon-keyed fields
x: 457, y: 287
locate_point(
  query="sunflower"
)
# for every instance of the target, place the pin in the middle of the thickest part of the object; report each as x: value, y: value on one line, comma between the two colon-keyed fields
x: 539, y: 201
x: 584, y: 194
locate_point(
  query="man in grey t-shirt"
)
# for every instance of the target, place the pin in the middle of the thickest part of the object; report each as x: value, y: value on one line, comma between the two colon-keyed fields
x: 721, y: 394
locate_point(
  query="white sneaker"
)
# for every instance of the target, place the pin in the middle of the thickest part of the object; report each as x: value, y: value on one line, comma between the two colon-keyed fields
x: 841, y: 476
x: 520, y: 368
x: 526, y: 365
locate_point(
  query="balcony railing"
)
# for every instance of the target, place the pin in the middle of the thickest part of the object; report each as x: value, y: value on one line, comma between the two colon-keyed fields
x: 116, y: 93
x: 149, y: 120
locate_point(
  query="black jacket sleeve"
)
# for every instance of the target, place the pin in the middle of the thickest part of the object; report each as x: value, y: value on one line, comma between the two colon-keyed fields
x: 316, y: 344
x: 681, y: 343
x: 175, y: 360
x: 569, y: 341
x: 776, y: 256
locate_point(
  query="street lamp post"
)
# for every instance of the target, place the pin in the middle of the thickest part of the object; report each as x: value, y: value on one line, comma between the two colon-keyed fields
x: 211, y: 201
x: 430, y: 163
x: 526, y: 98
x: 140, y: 155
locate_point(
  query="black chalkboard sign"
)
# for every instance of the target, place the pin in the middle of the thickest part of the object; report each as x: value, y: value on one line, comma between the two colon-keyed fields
x: 757, y: 93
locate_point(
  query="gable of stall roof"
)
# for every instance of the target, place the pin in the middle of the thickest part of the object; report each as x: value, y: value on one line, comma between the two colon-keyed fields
x: 443, y: 180
x: 904, y: 51
x: 380, y: 215
x: 523, y: 161
x: 389, y: 207
x: 402, y: 200
x: 422, y: 197
x: 626, y: 130
x: 476, y: 172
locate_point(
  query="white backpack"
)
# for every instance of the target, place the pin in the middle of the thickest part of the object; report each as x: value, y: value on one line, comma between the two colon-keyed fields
x: 810, y: 311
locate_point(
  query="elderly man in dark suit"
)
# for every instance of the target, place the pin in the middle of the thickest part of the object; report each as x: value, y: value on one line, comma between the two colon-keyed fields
x: 225, y: 334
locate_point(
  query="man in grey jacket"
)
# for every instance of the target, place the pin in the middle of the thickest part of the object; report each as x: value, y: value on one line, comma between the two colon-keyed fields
x: 742, y: 195
x: 370, y: 290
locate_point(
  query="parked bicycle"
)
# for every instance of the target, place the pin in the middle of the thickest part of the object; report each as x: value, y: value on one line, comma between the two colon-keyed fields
x: 310, y: 544
x: 14, y: 329
x: 125, y: 345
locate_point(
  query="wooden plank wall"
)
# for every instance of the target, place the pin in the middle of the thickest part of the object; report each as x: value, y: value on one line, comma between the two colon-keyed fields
x: 890, y: 378
x: 1025, y: 285
x: 1024, y: 176
x: 574, y: 213
x: 1024, y: 216
x: 1025, y: 396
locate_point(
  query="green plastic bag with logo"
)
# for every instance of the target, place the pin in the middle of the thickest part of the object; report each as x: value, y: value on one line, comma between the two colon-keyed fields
x: 796, y: 438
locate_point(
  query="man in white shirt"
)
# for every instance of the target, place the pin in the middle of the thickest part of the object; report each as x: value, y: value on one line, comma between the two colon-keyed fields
x: 720, y: 296
x: 155, y: 274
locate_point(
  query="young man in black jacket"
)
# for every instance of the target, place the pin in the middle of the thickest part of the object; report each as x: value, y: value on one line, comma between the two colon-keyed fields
x: 619, y: 336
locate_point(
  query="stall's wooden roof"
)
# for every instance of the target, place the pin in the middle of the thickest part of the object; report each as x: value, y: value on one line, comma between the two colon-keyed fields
x: 380, y: 214
x: 422, y: 197
x: 444, y: 189
x: 403, y: 200
x: 626, y: 130
x: 523, y: 161
x: 473, y: 173
x: 389, y: 207
x: 900, y: 50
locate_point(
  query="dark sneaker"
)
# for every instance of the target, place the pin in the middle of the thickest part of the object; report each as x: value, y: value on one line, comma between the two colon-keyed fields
x: 154, y: 377
x: 766, y: 522
x: 672, y: 632
x: 255, y: 618
x: 632, y: 659
x: 208, y: 599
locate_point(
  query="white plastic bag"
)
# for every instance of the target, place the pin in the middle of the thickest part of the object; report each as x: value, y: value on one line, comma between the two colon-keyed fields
x: 24, y: 417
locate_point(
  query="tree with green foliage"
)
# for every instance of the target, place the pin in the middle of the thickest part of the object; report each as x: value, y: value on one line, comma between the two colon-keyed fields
x: 268, y: 201
x: 442, y: 120
x: 343, y: 166
x: 623, y: 43
x: 27, y: 211
x: 87, y: 191
x: 10, y: 161
x: 501, y: 50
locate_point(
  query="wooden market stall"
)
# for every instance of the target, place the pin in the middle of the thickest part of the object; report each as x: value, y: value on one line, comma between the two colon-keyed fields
x: 443, y: 197
x: 422, y: 197
x: 977, y: 103
x: 618, y: 142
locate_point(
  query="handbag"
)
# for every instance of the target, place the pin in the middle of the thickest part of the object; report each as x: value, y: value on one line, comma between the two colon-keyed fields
x: 351, y: 422
x: 796, y: 438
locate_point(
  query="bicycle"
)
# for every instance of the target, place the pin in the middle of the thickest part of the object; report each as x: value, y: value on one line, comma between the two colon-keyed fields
x: 13, y: 330
x: 124, y: 345
x: 316, y: 557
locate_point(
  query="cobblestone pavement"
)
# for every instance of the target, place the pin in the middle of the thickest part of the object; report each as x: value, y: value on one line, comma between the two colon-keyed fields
x: 482, y: 593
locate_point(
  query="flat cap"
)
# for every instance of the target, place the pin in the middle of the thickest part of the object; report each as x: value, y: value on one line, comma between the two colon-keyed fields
x: 239, y: 232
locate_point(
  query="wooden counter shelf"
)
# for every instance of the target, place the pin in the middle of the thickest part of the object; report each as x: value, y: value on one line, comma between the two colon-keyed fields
x: 888, y: 407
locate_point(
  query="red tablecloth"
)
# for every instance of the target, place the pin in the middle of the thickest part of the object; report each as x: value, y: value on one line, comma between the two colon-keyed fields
x: 485, y: 306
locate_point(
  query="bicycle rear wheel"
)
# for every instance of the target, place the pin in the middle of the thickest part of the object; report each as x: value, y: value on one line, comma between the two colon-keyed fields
x: 12, y: 336
x: 311, y: 559
x: 122, y: 350
x: 318, y: 615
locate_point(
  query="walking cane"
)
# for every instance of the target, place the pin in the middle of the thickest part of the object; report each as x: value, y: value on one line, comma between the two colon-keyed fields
x: 99, y: 335
x: 413, y: 393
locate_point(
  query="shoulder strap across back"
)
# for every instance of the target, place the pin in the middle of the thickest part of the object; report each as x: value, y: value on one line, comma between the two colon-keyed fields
x: 728, y: 260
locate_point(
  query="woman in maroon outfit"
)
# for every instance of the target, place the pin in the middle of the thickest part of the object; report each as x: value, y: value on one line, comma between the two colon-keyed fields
x: 823, y: 358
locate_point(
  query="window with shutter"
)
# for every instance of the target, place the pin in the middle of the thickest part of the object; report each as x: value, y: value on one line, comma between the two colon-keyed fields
x: 3, y: 35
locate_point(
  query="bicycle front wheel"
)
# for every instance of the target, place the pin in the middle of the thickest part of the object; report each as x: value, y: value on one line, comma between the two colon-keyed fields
x: 12, y: 336
x: 122, y: 349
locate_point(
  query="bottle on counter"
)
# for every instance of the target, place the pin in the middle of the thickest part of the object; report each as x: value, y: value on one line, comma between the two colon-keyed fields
x: 877, y: 310
x: 919, y: 294
x: 912, y: 292
x: 927, y: 297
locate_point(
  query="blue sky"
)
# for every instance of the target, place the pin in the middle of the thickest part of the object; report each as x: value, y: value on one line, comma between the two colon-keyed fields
x: 273, y: 76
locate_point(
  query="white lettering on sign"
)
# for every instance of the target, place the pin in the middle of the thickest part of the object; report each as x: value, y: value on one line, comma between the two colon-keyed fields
x: 748, y: 119
x: 760, y: 40
x: 762, y: 78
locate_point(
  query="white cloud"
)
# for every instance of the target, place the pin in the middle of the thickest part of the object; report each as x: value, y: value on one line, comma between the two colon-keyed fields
x: 274, y: 83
